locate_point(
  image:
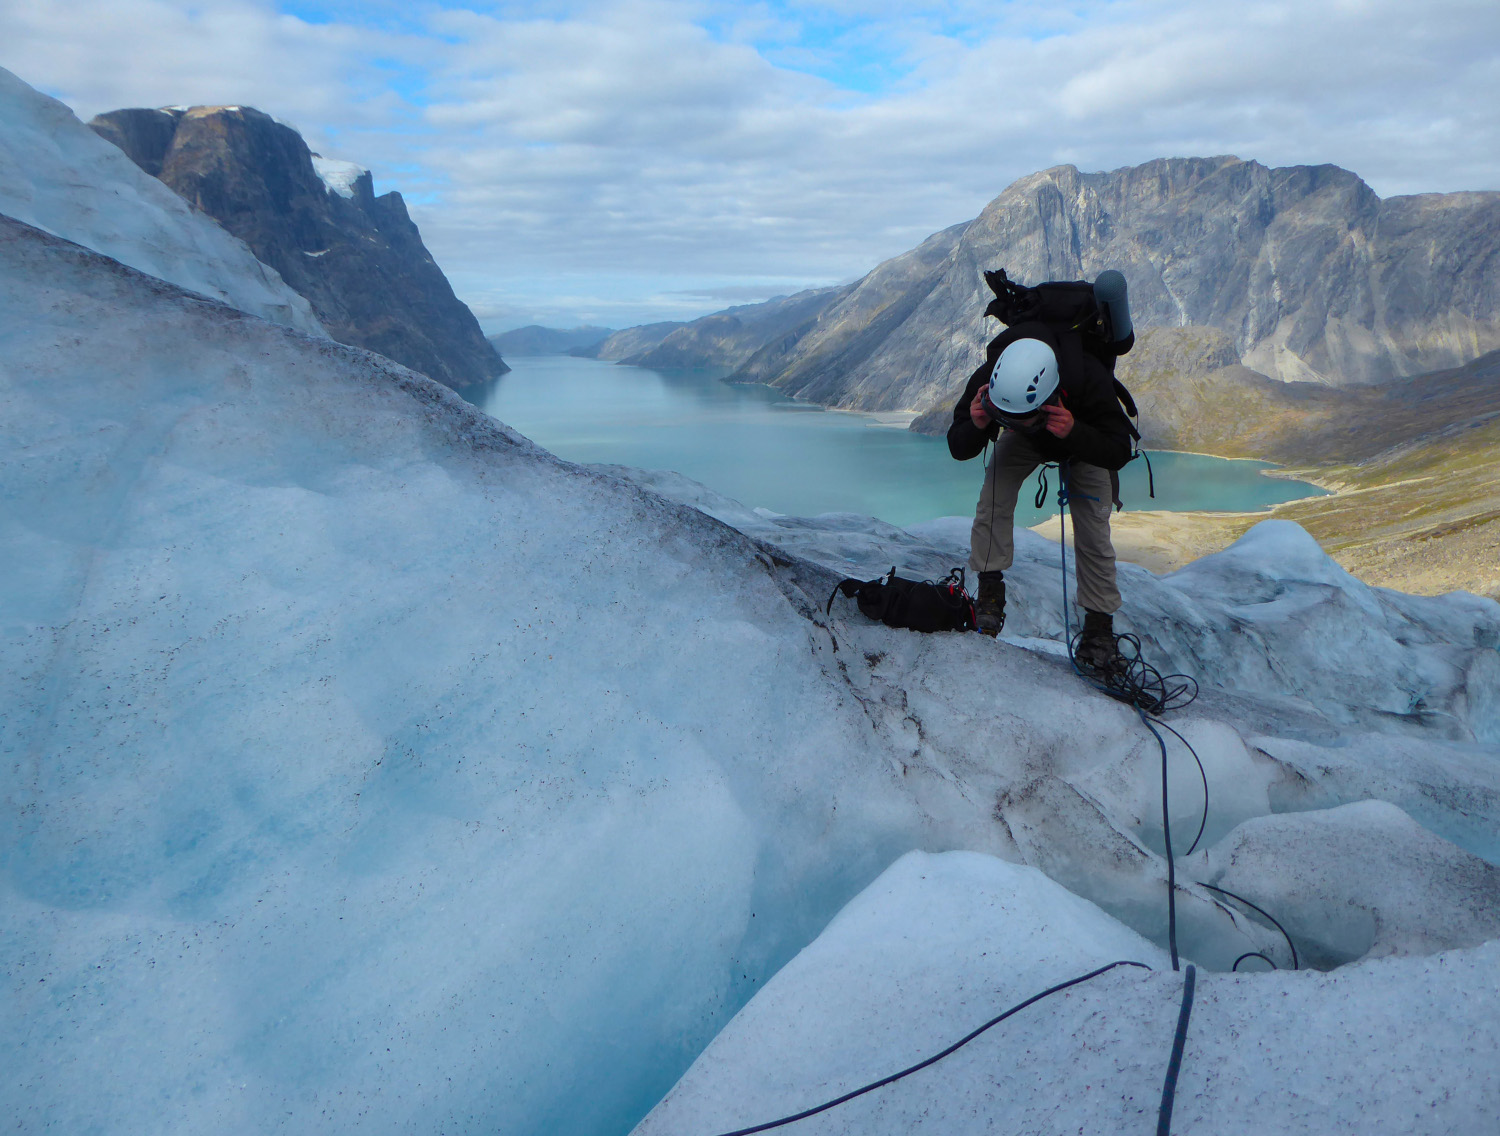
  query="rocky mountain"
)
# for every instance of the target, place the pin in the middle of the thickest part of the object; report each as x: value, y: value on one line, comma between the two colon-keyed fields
x: 1300, y: 274
x: 537, y: 340
x: 731, y: 338
x: 1310, y: 275
x: 357, y: 258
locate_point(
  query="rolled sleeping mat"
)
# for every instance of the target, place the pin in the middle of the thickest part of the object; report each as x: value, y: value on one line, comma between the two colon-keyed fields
x: 1109, y: 292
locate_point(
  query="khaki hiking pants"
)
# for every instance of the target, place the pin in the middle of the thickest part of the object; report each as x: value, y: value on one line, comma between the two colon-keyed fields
x: 992, y: 541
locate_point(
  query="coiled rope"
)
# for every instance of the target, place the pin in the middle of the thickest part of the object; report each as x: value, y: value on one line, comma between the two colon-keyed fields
x: 1129, y: 679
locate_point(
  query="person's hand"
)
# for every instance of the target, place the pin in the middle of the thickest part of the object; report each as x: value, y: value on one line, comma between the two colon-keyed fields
x: 1059, y: 421
x: 976, y: 409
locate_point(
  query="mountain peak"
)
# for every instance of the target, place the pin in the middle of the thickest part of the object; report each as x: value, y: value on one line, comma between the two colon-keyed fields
x: 356, y: 257
x: 59, y: 176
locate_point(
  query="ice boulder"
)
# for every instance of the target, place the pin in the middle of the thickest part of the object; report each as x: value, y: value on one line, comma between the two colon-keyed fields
x: 1360, y: 881
x: 363, y: 767
x: 935, y: 947
x: 941, y: 944
x: 58, y: 175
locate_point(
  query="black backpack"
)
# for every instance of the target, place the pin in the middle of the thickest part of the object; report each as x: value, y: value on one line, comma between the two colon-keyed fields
x: 1070, y: 309
x: 920, y: 605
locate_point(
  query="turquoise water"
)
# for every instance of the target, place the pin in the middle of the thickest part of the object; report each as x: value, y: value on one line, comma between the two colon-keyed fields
x: 764, y: 449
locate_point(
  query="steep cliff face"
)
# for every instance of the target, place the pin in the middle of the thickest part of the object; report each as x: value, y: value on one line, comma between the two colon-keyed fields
x: 357, y: 258
x: 1309, y: 274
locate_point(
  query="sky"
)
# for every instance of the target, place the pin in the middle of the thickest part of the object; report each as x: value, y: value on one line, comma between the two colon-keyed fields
x: 627, y: 161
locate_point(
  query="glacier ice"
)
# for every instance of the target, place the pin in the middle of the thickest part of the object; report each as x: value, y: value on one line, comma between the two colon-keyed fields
x: 938, y: 945
x: 367, y: 763
x: 366, y: 768
x: 57, y: 174
x: 1271, y: 617
x: 1361, y: 880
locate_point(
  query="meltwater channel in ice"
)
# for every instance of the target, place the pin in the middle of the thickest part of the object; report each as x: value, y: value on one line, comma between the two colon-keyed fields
x: 760, y: 447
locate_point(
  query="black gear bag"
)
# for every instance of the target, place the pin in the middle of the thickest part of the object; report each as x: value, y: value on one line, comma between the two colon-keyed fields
x: 921, y: 605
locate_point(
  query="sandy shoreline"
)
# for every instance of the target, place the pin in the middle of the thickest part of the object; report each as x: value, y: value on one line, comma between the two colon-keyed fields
x: 1460, y: 555
x: 1163, y: 542
x: 886, y: 419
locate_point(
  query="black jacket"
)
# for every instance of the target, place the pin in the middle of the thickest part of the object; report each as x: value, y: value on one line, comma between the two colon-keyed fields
x: 1101, y: 433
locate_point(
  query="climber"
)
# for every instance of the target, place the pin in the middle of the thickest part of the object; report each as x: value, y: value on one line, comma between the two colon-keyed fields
x: 1046, y: 394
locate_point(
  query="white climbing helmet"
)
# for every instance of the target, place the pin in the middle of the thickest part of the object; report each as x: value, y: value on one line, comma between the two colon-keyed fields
x: 1025, y: 376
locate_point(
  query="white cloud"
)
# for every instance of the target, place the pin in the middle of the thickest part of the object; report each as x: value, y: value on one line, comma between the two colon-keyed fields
x: 103, y: 54
x: 628, y: 156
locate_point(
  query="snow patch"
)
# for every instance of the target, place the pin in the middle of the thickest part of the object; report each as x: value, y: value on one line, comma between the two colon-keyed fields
x: 338, y: 177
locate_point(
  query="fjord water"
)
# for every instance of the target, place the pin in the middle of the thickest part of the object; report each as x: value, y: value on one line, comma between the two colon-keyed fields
x: 764, y: 449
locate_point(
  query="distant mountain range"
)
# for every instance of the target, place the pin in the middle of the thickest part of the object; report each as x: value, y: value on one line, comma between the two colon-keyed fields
x: 724, y: 339
x: 357, y: 258
x: 534, y: 339
x: 1297, y: 274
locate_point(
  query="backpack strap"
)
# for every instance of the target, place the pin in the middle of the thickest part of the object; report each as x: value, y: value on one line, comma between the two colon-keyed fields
x: 1132, y: 415
x: 849, y: 587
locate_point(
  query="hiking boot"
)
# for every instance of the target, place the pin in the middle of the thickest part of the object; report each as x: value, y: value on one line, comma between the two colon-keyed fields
x: 1098, y: 650
x: 989, y: 605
